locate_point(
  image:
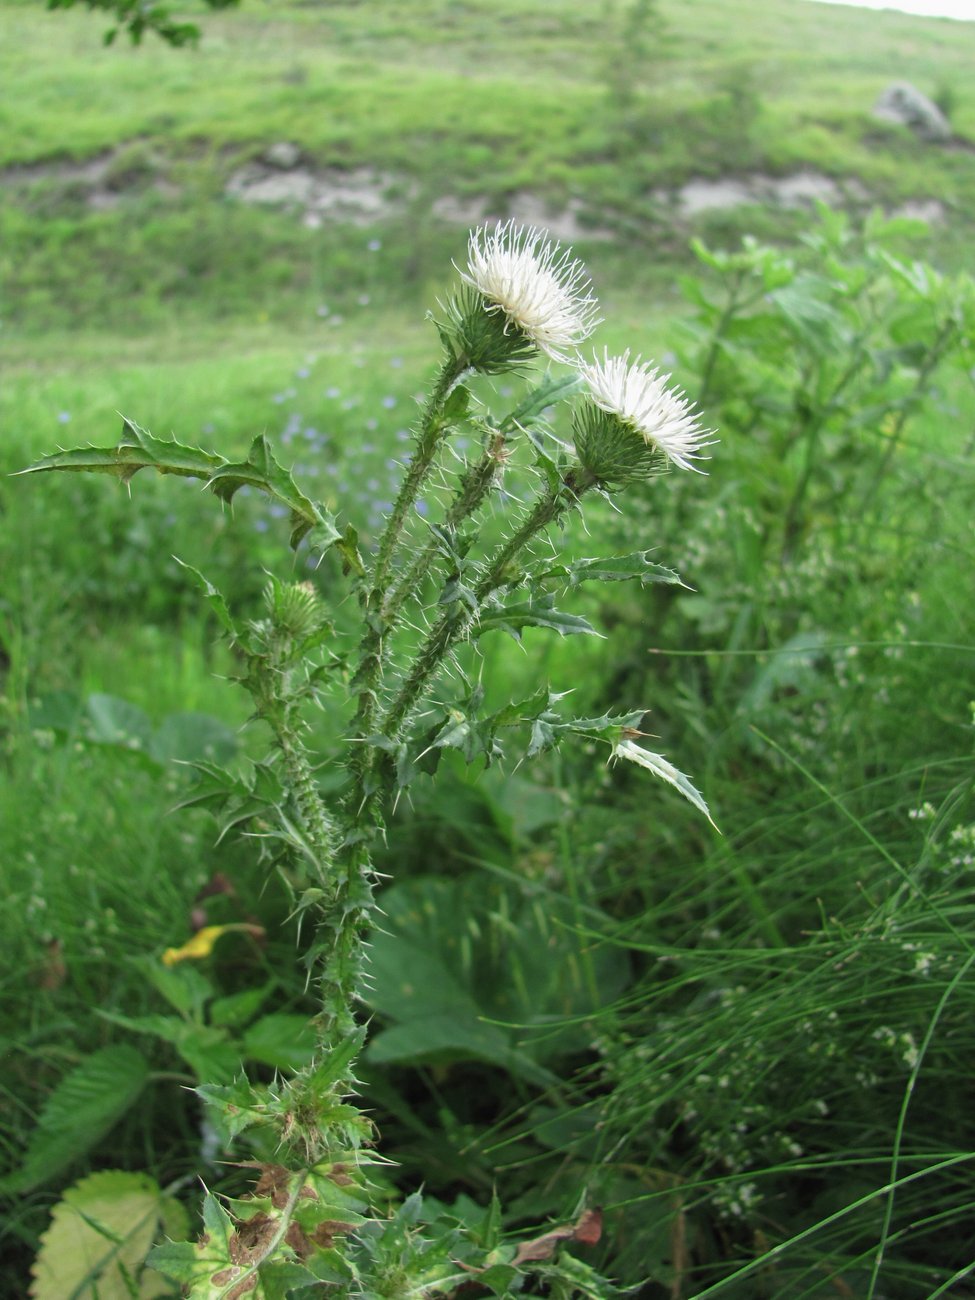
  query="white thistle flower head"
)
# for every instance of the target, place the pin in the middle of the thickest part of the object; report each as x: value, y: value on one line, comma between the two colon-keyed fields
x: 637, y: 394
x: 539, y: 288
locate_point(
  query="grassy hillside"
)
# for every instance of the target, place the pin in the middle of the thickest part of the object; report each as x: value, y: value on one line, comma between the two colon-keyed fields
x: 511, y: 108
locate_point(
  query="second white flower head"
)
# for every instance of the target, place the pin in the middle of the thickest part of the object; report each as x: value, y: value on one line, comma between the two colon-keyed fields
x: 540, y: 288
x: 637, y: 394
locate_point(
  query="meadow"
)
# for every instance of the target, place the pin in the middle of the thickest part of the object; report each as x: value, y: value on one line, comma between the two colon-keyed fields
x: 750, y: 1046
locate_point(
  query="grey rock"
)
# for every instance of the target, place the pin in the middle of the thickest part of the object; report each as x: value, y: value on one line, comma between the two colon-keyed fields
x: 904, y: 104
x: 284, y: 154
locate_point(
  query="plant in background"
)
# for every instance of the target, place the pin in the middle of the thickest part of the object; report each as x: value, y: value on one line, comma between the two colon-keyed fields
x: 426, y: 596
x: 136, y: 17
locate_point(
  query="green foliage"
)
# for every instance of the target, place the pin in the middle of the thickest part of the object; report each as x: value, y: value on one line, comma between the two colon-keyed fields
x: 321, y: 846
x: 772, y: 1100
x: 79, y: 1112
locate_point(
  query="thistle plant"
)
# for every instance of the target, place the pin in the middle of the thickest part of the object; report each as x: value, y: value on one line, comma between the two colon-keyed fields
x: 315, y: 1217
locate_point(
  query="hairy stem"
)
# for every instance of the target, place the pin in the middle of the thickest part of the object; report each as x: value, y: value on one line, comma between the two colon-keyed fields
x: 432, y: 430
x: 470, y: 496
x: 451, y: 626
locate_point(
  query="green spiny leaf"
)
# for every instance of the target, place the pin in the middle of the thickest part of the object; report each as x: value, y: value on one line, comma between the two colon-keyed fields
x: 214, y: 599
x: 659, y: 766
x: 537, y: 612
x: 614, y: 568
x: 552, y: 389
x: 138, y: 449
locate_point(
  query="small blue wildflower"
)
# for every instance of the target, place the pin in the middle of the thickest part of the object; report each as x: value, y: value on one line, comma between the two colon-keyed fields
x: 422, y: 509
x: 374, y: 245
x: 389, y: 402
x: 64, y: 417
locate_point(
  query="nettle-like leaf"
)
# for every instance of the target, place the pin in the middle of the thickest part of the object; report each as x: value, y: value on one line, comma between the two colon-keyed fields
x: 138, y: 450
x: 100, y: 1234
x: 80, y: 1110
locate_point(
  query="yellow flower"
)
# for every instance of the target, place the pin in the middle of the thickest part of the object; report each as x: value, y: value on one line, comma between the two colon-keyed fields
x: 201, y: 944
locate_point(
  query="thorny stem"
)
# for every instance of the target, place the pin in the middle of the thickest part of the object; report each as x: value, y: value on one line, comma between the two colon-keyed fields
x: 474, y: 488
x: 450, y: 627
x: 429, y: 437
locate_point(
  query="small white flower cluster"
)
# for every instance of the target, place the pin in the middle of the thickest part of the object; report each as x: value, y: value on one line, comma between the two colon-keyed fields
x: 901, y: 1042
x: 546, y: 295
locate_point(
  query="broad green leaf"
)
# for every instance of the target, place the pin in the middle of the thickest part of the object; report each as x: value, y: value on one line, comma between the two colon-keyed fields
x: 206, y: 1049
x: 446, y: 1036
x: 510, y: 985
x: 804, y: 304
x: 238, y: 1008
x: 281, y: 1278
x: 57, y: 711
x: 80, y: 1110
x: 190, y: 737
x: 184, y: 987
x: 285, y: 1041
x: 659, y: 766
x: 114, y: 721
x: 98, y: 1240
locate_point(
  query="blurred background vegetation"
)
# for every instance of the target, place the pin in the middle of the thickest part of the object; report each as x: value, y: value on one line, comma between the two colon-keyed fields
x: 753, y: 1050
